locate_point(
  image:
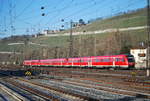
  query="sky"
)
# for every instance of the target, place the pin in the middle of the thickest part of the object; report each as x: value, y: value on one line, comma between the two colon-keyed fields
x: 23, y: 17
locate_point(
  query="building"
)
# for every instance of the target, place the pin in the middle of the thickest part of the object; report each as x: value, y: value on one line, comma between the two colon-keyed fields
x: 49, y: 32
x: 140, y: 57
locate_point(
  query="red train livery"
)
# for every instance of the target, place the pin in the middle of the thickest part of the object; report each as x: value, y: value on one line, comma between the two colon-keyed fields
x: 114, y: 61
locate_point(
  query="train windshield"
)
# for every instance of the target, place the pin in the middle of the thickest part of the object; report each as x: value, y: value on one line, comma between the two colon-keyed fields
x: 131, y: 59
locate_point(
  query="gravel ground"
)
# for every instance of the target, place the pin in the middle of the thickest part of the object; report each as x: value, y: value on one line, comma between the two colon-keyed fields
x: 94, y: 93
x: 27, y: 95
x: 60, y: 96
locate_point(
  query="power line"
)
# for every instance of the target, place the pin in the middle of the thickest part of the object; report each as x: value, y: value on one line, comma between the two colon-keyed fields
x: 86, y: 8
x: 79, y: 11
x: 130, y: 5
x: 33, y: 12
x: 58, y: 11
x: 68, y: 5
x: 49, y: 12
x: 56, y: 16
x: 65, y: 6
x: 24, y: 9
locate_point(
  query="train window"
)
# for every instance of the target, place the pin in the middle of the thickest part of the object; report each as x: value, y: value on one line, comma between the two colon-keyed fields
x: 69, y: 61
x: 82, y: 60
x: 101, y: 60
x: 75, y: 61
x: 106, y: 60
x: 78, y: 60
x: 97, y: 60
x: 88, y: 60
x: 117, y: 59
x: 122, y: 59
x: 131, y: 59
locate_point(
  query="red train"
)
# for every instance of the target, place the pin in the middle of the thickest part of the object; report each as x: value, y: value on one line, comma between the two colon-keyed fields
x: 114, y: 61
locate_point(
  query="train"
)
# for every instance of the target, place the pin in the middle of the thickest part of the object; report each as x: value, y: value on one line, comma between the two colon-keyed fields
x: 124, y: 61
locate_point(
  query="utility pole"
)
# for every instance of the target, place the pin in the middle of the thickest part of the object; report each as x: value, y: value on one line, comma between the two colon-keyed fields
x: 95, y: 46
x: 71, y: 40
x: 79, y: 54
x: 148, y: 41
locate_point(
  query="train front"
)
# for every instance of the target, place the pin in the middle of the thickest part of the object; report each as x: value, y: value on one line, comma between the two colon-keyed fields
x: 131, y: 61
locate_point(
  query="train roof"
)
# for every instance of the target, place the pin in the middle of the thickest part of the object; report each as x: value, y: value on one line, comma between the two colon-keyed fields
x: 76, y: 58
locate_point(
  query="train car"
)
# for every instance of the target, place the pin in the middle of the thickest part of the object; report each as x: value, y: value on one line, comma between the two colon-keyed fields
x: 114, y: 61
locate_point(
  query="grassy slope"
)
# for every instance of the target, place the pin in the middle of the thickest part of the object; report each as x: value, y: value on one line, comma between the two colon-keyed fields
x: 128, y: 20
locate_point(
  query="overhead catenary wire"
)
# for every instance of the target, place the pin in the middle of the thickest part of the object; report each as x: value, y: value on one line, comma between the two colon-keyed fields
x: 54, y: 15
x: 77, y: 12
x: 27, y: 7
x: 37, y: 15
x: 21, y: 13
x: 84, y: 9
x: 51, y: 12
x: 128, y: 6
x: 65, y: 7
x: 58, y: 11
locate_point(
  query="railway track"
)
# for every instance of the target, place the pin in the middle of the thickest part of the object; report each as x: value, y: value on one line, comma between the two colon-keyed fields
x: 12, y: 94
x: 139, y: 85
x: 135, y: 76
x: 93, y: 90
x: 108, y: 88
x: 119, y: 85
x: 36, y: 92
x: 127, y: 87
x: 59, y: 91
x: 100, y: 72
x: 22, y: 92
x: 123, y: 79
x: 80, y: 86
x: 50, y: 96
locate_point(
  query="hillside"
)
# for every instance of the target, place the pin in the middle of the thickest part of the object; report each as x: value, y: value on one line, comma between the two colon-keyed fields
x: 131, y: 19
x: 84, y: 45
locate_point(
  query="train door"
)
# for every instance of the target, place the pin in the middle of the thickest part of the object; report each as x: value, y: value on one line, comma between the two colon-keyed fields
x: 117, y: 62
x: 114, y: 63
x: 89, y: 62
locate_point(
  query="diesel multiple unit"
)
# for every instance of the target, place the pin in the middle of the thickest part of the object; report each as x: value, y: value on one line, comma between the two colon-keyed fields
x: 114, y: 61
